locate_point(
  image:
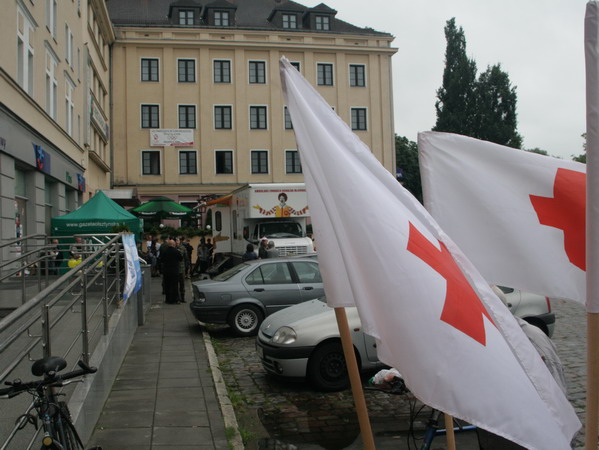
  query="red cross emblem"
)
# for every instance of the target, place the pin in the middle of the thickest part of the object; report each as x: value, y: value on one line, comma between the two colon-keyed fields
x: 463, y: 309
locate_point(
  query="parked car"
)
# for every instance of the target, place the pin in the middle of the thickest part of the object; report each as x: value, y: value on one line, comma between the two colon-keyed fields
x: 302, y: 342
x: 247, y: 293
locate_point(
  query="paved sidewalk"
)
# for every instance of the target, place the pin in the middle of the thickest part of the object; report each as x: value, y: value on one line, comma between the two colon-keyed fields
x: 165, y: 395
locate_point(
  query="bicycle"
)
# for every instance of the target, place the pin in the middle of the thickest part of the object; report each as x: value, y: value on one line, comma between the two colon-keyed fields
x: 59, y: 431
x: 397, y: 386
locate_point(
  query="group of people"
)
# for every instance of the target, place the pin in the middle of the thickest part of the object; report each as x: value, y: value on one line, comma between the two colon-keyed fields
x: 173, y: 260
x: 265, y: 250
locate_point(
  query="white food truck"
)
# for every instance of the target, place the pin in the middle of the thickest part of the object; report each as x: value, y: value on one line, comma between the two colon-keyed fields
x: 277, y: 211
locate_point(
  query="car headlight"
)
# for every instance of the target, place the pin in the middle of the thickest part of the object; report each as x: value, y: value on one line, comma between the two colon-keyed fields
x: 199, y: 296
x: 284, y: 335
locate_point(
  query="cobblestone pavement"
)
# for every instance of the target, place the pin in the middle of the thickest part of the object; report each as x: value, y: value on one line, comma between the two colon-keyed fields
x: 279, y: 414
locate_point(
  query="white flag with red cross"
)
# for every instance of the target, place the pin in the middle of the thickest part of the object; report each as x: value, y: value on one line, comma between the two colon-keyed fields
x: 518, y: 216
x: 433, y: 315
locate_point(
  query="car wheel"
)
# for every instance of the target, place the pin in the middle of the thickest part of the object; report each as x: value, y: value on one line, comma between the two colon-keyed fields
x: 245, y: 320
x: 326, y: 368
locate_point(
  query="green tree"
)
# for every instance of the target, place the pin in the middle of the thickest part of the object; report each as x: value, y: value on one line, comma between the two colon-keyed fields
x: 582, y: 158
x: 495, y: 115
x: 456, y: 97
x: 483, y: 108
x: 406, y: 155
x: 536, y: 150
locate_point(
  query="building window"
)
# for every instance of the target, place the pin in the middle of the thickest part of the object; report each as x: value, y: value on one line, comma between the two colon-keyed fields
x: 150, y: 162
x: 149, y: 69
x: 258, y: 117
x: 357, y: 76
x: 69, y: 106
x: 188, y: 162
x: 296, y: 65
x: 51, y: 6
x: 187, y: 116
x: 259, y: 161
x: 224, y: 161
x: 289, y: 21
x: 288, y: 124
x: 221, y: 18
x: 323, y: 23
x: 186, y: 17
x: 187, y: 70
x: 222, y: 71
x: 292, y: 162
x: 257, y: 72
x: 51, y: 84
x: 69, y: 46
x: 222, y: 118
x: 150, y: 116
x: 25, y: 51
x: 325, y: 74
x: 358, y: 119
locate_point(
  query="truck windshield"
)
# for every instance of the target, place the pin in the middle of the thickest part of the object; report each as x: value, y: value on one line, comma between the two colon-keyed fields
x: 279, y: 230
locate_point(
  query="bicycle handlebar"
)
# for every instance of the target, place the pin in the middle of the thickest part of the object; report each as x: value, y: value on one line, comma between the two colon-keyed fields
x: 17, y: 386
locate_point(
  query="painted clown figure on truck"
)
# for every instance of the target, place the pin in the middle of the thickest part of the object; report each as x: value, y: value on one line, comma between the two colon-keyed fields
x: 275, y: 211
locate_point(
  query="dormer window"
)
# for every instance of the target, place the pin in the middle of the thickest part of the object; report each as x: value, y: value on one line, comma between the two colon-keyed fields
x: 323, y: 23
x: 221, y: 18
x: 186, y: 17
x: 289, y: 21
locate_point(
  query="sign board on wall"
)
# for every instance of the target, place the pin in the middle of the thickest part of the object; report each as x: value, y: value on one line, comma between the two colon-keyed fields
x: 171, y: 138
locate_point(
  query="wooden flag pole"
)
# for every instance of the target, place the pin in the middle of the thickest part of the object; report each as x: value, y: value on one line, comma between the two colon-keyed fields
x: 592, y: 418
x: 354, y: 378
x: 450, y: 435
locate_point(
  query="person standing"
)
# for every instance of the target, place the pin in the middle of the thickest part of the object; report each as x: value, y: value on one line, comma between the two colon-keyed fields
x: 272, y: 252
x: 182, y: 269
x: 263, y: 248
x: 249, y: 254
x: 55, y: 258
x: 171, y: 259
x: 189, y: 251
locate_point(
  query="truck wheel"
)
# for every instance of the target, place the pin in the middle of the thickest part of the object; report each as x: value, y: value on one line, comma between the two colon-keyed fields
x: 245, y: 320
x: 326, y: 368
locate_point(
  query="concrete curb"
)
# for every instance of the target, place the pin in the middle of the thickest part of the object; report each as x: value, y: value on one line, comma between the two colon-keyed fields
x: 221, y: 391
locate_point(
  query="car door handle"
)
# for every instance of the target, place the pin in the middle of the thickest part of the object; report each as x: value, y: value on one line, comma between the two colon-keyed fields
x: 259, y: 290
x: 308, y: 288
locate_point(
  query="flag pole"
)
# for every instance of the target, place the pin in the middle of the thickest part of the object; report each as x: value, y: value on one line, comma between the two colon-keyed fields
x: 449, y: 433
x: 591, y: 37
x: 354, y: 378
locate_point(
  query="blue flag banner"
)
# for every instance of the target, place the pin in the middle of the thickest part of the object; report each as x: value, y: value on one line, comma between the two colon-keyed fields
x: 132, y: 267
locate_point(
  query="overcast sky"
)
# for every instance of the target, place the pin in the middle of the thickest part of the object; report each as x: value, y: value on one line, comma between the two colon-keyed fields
x: 539, y: 43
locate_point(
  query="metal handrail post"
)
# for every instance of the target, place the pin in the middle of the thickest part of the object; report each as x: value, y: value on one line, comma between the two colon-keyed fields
x: 84, y: 325
x: 105, y: 296
x: 46, y: 344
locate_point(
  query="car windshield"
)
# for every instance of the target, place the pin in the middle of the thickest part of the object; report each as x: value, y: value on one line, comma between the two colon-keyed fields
x: 278, y: 230
x: 230, y: 273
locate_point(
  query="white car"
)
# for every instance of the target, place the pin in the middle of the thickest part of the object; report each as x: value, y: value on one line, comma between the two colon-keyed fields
x: 302, y: 341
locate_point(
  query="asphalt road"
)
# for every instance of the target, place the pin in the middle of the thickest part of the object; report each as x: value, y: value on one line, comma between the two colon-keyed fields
x: 278, y: 414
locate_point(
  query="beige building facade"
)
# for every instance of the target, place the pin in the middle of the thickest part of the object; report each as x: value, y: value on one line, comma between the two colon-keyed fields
x: 54, y: 110
x: 198, y: 107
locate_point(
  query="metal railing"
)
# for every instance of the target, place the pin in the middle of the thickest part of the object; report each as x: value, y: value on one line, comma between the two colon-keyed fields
x: 65, y: 315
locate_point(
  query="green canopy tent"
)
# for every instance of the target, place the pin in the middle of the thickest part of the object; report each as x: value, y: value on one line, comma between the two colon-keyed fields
x: 97, y: 216
x: 162, y: 208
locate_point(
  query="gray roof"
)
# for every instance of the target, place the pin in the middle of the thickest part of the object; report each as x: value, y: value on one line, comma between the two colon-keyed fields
x: 250, y: 14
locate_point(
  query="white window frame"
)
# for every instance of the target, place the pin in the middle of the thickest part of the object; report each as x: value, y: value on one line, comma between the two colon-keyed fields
x: 292, y: 150
x: 141, y: 105
x: 285, y: 116
x: 351, y: 116
x: 232, y: 160
x: 256, y: 150
x: 250, y: 117
x: 141, y: 166
x: 51, y: 14
x: 195, y: 118
x: 141, y: 69
x: 195, y: 70
x: 323, y: 63
x: 69, y: 88
x: 214, y: 117
x: 25, y: 51
x: 265, y: 65
x: 185, y: 150
x: 51, y: 82
x: 230, y: 71
x: 349, y: 74
x: 68, y: 45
